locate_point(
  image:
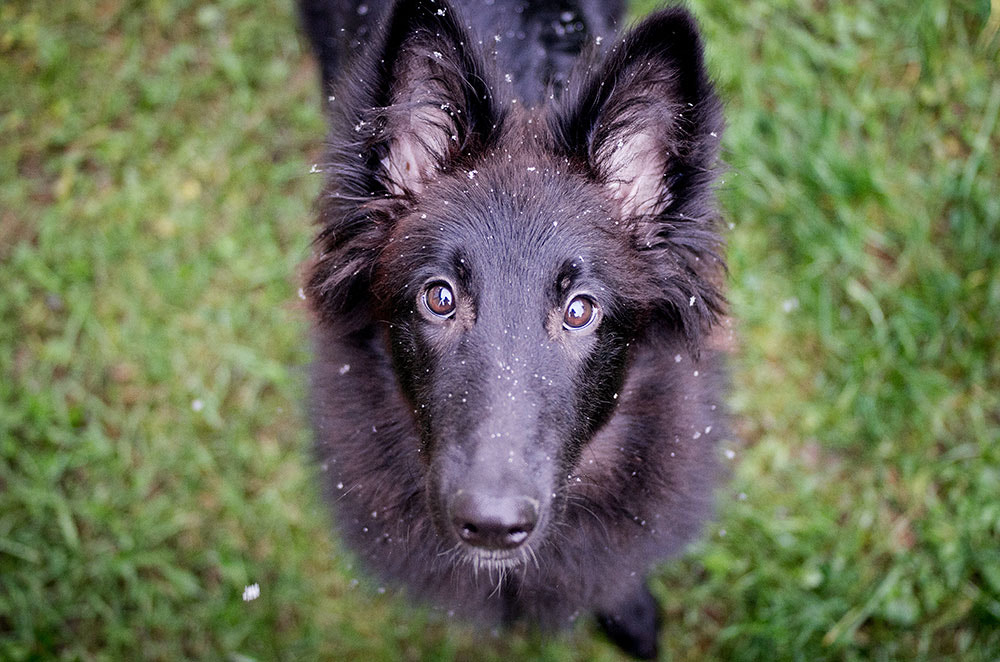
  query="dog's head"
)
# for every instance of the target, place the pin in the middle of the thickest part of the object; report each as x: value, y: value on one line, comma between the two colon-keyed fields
x: 515, y: 254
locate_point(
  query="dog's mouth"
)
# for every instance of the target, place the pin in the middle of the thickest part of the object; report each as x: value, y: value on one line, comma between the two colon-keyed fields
x: 490, y: 561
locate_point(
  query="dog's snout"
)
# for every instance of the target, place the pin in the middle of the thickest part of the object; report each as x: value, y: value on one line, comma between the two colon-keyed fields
x: 491, y: 522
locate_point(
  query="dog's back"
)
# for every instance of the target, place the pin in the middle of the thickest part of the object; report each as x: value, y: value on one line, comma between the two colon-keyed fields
x: 536, y: 43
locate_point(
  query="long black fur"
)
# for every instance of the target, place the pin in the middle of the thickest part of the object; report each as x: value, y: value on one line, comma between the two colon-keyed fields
x: 594, y: 177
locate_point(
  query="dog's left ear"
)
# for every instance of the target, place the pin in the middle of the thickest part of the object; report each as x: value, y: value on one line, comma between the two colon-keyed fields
x: 647, y: 122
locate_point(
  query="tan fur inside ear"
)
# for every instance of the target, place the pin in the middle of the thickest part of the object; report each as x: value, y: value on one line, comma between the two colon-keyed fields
x: 421, y: 144
x: 421, y: 121
x: 635, y: 168
x: 632, y: 140
x: 406, y: 168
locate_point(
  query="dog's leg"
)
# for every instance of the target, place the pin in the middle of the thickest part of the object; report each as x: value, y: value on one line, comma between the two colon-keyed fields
x: 634, y: 623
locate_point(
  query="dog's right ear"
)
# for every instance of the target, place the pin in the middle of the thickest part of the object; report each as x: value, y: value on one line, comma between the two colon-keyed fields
x: 412, y: 107
x: 421, y: 101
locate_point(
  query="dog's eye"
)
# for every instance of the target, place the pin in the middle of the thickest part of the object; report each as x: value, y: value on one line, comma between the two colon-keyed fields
x: 440, y: 299
x: 580, y: 313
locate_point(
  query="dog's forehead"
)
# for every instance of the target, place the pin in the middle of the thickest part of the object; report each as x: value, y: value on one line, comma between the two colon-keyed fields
x: 524, y: 208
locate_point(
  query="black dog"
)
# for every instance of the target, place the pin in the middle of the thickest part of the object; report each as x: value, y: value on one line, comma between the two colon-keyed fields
x: 515, y: 395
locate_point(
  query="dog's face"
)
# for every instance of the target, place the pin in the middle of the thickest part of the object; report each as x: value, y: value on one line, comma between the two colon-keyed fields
x: 510, y: 309
x: 515, y: 255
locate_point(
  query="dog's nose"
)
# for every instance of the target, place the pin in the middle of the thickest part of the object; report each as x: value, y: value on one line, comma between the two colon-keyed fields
x: 493, y: 522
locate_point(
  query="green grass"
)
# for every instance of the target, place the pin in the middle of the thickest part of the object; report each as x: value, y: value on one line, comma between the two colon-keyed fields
x: 154, y: 207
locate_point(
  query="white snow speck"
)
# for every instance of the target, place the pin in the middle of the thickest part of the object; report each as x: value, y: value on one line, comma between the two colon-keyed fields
x: 677, y: 359
x: 730, y: 453
x: 788, y: 305
x: 197, y: 405
x: 438, y: 55
x: 302, y: 294
x: 251, y: 592
x: 344, y: 369
x: 691, y: 301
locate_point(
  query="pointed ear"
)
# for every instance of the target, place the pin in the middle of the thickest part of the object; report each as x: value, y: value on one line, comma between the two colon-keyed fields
x: 646, y: 125
x: 410, y: 106
x: 428, y: 99
x: 647, y: 122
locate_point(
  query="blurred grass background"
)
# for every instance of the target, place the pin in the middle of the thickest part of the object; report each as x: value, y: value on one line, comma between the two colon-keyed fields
x: 154, y: 207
